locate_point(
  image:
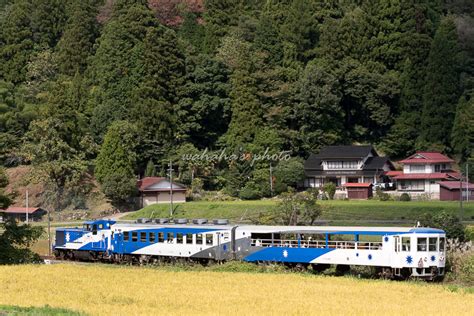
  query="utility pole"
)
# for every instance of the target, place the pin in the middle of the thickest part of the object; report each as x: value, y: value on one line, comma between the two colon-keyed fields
x: 27, y: 206
x: 467, y: 181
x: 171, y: 188
x: 271, y: 180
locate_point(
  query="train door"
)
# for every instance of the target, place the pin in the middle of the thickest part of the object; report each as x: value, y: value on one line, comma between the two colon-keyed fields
x: 395, y: 253
x: 397, y: 244
x: 218, y: 248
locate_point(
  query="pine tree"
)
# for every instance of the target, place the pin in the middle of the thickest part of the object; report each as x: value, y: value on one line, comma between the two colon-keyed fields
x: 77, y: 42
x: 116, y: 162
x: 48, y: 19
x: 116, y: 70
x: 441, y: 91
x: 16, y: 39
x: 150, y: 170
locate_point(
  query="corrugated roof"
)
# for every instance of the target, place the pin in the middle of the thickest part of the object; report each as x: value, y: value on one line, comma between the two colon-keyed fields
x: 147, y: 182
x: 17, y: 209
x: 451, y: 185
x: 357, y: 185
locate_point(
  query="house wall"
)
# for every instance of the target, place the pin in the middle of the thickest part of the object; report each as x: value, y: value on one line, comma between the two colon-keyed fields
x: 162, y: 197
x: 454, y: 195
x: 427, y: 168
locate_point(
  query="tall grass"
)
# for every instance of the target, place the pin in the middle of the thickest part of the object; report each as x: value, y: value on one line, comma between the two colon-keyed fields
x: 115, y: 290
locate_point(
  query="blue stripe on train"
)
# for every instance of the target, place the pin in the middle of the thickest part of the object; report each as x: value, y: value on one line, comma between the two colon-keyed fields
x: 285, y: 254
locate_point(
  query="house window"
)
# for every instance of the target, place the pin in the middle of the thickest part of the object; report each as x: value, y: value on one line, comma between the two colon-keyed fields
x: 342, y: 164
x: 417, y: 168
x: 412, y: 185
x: 437, y: 168
x: 334, y: 164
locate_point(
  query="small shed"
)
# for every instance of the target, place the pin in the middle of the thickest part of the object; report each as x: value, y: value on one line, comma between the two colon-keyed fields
x: 19, y: 213
x: 359, y: 191
x: 451, y: 190
x: 155, y: 190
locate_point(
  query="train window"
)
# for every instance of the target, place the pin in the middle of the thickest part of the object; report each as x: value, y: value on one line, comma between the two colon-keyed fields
x: 421, y: 246
x: 143, y: 236
x: 179, y: 238
x: 406, y: 244
x: 198, y: 239
x: 189, y: 239
x: 170, y: 237
x: 126, y: 236
x: 152, y: 237
x: 134, y: 236
x: 94, y: 229
x: 441, y: 243
x: 161, y: 237
x: 432, y: 244
x: 209, y: 239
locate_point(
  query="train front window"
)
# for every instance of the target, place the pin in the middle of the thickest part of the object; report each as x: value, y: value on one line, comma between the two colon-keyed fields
x: 406, y: 244
x: 432, y: 244
x: 441, y: 244
x: 421, y: 246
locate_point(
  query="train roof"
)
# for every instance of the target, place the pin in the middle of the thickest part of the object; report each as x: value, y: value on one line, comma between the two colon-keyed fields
x: 340, y: 230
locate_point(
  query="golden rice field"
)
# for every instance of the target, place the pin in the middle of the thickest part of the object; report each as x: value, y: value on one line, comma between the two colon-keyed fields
x: 114, y: 290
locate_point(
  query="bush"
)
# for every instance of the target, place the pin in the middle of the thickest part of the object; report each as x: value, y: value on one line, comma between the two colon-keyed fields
x: 382, y: 196
x: 450, y: 223
x: 405, y: 197
x: 460, y: 262
x: 330, y: 189
x: 250, y: 192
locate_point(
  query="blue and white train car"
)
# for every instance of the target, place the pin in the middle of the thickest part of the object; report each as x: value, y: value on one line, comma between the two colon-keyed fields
x: 394, y: 251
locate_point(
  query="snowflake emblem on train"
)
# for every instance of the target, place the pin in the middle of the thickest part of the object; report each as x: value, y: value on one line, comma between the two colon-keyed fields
x: 409, y: 259
x: 285, y: 253
x: 68, y: 237
x: 433, y: 258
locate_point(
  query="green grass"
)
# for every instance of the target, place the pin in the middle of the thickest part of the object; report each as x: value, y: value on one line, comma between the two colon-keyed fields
x: 336, y: 212
x: 36, y: 311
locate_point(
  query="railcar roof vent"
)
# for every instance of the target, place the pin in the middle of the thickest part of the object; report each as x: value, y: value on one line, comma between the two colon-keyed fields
x: 181, y: 221
x: 143, y: 220
x: 220, y: 221
x: 200, y: 221
x: 161, y: 220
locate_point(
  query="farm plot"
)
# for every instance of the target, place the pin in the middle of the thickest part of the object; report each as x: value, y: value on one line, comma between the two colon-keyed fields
x: 115, y: 290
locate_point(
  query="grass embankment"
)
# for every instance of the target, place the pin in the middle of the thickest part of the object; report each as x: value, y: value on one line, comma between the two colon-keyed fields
x: 112, y: 290
x: 336, y: 212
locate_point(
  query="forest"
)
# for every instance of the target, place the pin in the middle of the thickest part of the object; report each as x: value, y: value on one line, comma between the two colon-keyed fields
x: 113, y: 90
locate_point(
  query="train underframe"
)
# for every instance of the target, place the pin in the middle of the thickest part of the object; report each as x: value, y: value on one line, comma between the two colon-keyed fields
x: 430, y: 274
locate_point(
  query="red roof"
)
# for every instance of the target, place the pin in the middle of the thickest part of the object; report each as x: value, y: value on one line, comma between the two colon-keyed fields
x: 435, y: 175
x: 451, y: 185
x: 393, y: 173
x: 146, y: 182
x: 16, y: 209
x: 427, y: 157
x: 357, y: 185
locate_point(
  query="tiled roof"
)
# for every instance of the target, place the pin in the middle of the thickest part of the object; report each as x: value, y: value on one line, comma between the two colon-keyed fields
x: 374, y: 163
x: 456, y: 185
x: 427, y: 157
x: 393, y: 173
x: 147, y: 181
x: 345, y: 152
x: 435, y: 175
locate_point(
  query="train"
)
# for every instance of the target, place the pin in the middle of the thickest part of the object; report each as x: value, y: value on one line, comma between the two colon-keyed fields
x: 394, y: 252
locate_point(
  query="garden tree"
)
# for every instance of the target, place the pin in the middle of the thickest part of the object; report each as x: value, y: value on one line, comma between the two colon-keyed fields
x: 77, y: 42
x: 16, y: 39
x: 441, y: 91
x: 462, y: 135
x: 48, y: 19
x: 290, y: 172
x: 116, y: 70
x: 116, y: 162
x: 330, y: 189
x: 203, y: 110
x: 298, y: 209
x: 15, y: 240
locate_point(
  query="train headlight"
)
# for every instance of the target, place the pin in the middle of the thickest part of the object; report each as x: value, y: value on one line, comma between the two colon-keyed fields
x: 426, y: 259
